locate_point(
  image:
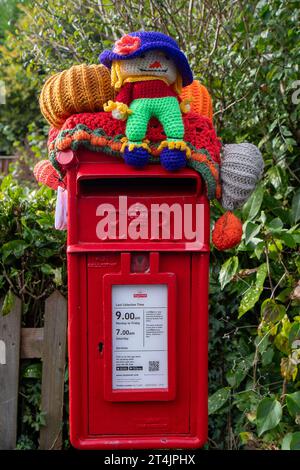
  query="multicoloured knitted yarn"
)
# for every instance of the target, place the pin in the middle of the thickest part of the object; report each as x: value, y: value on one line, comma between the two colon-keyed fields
x: 100, y: 132
x: 82, y: 88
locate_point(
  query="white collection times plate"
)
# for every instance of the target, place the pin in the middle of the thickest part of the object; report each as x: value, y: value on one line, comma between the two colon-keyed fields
x: 140, y: 336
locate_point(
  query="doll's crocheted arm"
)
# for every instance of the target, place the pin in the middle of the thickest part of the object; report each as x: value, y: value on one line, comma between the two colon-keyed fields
x: 185, y: 105
x: 117, y: 109
x: 120, y: 107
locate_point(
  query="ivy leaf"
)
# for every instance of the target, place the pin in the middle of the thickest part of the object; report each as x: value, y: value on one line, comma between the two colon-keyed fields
x: 252, y: 295
x: 293, y: 403
x: 269, y: 413
x: 218, y: 399
x: 8, y: 303
x: 228, y: 270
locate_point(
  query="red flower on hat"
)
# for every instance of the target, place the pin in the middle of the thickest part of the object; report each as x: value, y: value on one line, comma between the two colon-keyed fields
x: 126, y: 45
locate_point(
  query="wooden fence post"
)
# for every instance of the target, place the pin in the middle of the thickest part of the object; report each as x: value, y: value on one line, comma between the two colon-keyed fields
x: 54, y: 358
x: 10, y: 326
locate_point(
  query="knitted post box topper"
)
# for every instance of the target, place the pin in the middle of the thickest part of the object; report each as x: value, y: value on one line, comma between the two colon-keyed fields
x: 148, y: 71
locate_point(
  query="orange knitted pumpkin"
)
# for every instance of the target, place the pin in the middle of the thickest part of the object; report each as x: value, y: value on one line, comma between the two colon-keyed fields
x: 80, y: 89
x: 227, y: 232
x: 46, y: 174
x: 200, y: 99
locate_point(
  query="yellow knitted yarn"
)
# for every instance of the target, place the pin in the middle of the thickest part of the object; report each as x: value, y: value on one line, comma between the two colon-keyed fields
x: 200, y: 99
x: 175, y: 144
x: 82, y: 88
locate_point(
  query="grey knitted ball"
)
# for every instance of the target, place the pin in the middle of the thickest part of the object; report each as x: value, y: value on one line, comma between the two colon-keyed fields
x: 241, y: 168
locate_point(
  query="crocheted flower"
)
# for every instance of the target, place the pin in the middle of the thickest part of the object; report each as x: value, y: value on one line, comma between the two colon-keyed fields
x: 127, y: 44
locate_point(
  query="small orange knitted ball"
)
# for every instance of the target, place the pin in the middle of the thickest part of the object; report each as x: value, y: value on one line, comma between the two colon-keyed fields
x: 46, y: 174
x: 227, y: 232
x: 80, y: 89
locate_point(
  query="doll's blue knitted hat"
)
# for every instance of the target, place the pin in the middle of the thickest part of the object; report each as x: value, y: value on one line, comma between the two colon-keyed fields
x: 134, y: 44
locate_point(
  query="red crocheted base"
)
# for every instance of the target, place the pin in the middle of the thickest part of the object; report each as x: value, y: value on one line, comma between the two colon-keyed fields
x: 199, y: 130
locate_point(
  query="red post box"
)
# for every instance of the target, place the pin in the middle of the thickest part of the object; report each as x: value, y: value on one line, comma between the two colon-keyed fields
x: 138, y: 257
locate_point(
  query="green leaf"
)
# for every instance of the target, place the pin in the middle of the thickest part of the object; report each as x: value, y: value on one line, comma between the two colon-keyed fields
x: 275, y: 176
x: 252, y: 206
x: 252, y: 295
x: 267, y: 356
x: 218, y: 399
x: 287, y: 238
x: 8, y: 303
x: 57, y: 276
x: 237, y: 374
x: 295, y: 210
x: 295, y: 441
x: 246, y: 400
x: 251, y: 231
x: 286, y: 441
x: 271, y: 311
x: 294, y: 333
x: 293, y: 403
x: 269, y: 413
x: 246, y: 437
x: 14, y: 247
x: 33, y: 371
x: 275, y: 225
x: 228, y: 270
x: 46, y: 269
x: 284, y: 294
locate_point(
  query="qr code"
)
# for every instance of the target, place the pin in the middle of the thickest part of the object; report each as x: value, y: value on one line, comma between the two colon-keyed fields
x: 153, y: 366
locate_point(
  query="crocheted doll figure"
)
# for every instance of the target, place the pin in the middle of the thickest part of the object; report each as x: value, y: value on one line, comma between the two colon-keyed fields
x: 148, y: 71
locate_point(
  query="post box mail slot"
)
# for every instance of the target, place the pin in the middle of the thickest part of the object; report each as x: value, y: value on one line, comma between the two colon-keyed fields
x: 138, y: 248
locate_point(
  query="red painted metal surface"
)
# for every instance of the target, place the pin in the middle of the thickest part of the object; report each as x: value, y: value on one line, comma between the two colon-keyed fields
x: 101, y: 417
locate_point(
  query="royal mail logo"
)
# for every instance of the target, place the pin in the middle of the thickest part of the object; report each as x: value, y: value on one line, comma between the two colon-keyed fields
x: 140, y: 295
x: 157, y: 222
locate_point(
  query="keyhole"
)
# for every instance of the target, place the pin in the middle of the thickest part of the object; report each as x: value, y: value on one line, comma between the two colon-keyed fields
x: 100, y: 347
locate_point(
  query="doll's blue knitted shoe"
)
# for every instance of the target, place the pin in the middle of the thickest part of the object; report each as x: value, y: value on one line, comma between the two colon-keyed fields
x: 173, y: 159
x: 137, y: 157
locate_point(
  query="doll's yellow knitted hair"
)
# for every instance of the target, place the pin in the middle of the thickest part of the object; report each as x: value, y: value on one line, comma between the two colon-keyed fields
x: 117, y: 78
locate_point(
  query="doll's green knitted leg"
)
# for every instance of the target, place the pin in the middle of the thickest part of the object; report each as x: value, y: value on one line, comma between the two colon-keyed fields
x: 169, y: 114
x: 136, y: 152
x: 137, y: 122
x: 174, y: 149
